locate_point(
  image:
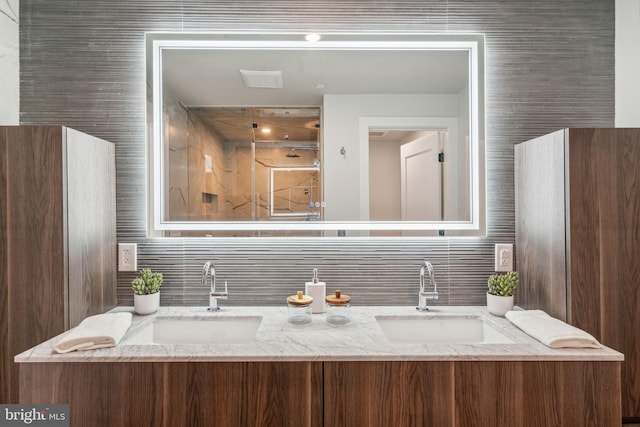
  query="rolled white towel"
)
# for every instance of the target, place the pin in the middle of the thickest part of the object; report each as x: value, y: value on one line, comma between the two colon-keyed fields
x: 99, y: 331
x: 550, y: 331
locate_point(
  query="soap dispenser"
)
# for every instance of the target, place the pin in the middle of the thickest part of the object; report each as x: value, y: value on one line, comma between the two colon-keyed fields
x: 317, y: 290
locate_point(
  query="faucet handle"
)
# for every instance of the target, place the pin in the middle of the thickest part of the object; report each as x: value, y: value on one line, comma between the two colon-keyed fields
x: 430, y: 296
x: 220, y: 294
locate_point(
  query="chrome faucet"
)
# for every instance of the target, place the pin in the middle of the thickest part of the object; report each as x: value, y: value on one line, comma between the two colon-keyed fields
x: 208, y: 270
x: 423, y: 295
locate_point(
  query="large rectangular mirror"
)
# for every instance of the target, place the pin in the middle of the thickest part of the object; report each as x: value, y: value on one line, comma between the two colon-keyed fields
x: 275, y: 135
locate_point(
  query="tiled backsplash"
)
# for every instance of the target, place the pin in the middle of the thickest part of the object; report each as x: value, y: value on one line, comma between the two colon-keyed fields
x: 549, y: 65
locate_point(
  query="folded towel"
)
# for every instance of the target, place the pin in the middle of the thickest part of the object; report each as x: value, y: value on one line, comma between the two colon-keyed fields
x: 99, y: 331
x: 550, y: 331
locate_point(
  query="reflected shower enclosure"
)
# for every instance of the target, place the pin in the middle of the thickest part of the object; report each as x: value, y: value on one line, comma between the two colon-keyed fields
x: 295, y: 192
x: 222, y: 163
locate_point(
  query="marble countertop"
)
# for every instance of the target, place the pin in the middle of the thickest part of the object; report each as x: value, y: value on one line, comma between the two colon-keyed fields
x: 278, y: 340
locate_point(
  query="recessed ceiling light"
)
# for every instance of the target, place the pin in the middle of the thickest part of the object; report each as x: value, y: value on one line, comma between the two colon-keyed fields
x: 312, y: 37
x: 266, y: 130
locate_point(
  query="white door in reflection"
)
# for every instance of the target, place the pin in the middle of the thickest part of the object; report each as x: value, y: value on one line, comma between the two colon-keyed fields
x: 421, y: 179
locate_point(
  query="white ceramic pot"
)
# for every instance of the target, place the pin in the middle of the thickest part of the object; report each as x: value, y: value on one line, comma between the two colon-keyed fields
x: 498, y: 306
x: 146, y: 304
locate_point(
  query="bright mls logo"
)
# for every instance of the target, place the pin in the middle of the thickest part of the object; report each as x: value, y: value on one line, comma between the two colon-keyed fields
x: 34, y: 415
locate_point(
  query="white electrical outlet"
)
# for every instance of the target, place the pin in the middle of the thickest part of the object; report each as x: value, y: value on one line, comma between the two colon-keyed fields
x: 504, y: 257
x: 127, y: 257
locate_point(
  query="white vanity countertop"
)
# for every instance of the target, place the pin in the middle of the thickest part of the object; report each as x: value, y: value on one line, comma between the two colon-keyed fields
x: 359, y: 340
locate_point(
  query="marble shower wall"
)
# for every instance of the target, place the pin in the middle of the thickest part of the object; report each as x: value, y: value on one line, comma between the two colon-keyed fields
x: 198, y: 171
x: 9, y: 62
x: 549, y: 65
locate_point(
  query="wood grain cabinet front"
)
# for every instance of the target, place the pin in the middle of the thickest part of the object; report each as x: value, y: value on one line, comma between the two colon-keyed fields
x: 57, y: 237
x: 472, y: 393
x: 332, y: 394
x: 252, y: 394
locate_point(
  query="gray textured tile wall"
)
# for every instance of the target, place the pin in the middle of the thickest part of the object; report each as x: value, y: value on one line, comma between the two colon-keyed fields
x: 549, y: 65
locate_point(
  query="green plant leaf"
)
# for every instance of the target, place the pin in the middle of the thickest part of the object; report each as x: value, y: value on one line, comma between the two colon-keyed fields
x: 503, y: 284
x: 147, y: 282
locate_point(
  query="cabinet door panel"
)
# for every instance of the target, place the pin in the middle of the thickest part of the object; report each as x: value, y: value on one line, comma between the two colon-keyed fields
x: 605, y: 245
x: 98, y: 394
x: 243, y: 394
x: 194, y: 394
x: 32, y: 300
x: 537, y: 393
x: 488, y: 394
x: 388, y: 394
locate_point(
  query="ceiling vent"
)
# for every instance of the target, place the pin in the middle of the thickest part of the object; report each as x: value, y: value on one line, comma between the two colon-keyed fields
x: 262, y: 79
x: 377, y: 133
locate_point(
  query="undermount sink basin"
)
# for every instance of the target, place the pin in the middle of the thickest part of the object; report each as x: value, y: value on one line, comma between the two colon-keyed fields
x: 440, y: 329
x: 197, y: 330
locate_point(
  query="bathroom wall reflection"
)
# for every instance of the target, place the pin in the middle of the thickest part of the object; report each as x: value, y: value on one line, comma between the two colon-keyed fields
x: 242, y: 164
x: 417, y: 175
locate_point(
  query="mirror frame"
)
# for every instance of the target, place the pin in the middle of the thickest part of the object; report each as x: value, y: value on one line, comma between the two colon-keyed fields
x: 473, y: 43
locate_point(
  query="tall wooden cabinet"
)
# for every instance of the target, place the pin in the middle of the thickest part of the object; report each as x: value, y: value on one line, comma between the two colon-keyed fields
x: 57, y: 237
x: 578, y: 237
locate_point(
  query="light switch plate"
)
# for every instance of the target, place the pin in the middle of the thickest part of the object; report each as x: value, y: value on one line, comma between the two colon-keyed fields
x: 504, y: 257
x: 127, y: 257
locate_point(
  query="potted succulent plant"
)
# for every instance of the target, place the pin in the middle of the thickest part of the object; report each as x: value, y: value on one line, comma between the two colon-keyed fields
x: 501, y: 290
x: 146, y: 291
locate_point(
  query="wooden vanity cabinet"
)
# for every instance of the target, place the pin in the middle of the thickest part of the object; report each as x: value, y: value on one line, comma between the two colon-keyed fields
x: 57, y: 237
x: 332, y: 394
x: 578, y: 237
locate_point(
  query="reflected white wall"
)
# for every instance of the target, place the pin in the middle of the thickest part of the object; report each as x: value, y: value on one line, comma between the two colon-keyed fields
x: 341, y: 118
x: 627, y: 63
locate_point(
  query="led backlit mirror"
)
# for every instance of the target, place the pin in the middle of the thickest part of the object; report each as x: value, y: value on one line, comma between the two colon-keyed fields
x: 357, y: 135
